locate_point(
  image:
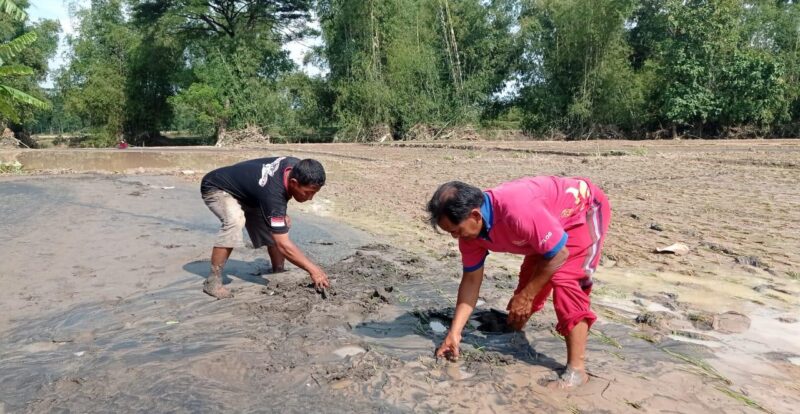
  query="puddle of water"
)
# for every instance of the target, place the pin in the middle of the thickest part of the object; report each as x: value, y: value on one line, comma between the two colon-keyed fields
x: 438, y: 327
x: 766, y: 333
x: 349, y: 350
x: 795, y: 360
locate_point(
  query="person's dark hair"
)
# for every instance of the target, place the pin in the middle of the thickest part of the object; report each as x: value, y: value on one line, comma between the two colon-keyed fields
x: 308, y: 172
x: 453, y: 200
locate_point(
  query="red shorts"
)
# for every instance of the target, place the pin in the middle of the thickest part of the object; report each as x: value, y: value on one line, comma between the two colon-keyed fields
x: 572, y: 282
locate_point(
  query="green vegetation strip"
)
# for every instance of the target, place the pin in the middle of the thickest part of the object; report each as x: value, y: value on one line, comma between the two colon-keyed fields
x: 743, y: 398
x: 606, y: 339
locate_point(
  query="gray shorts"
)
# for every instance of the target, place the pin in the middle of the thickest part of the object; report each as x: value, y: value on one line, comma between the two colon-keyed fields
x: 235, y: 217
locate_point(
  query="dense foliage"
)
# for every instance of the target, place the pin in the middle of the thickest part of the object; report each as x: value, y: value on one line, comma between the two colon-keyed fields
x: 553, y: 68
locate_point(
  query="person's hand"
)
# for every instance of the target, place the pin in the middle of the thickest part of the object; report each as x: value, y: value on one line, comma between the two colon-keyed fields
x: 449, y: 348
x: 320, y: 278
x: 520, y: 310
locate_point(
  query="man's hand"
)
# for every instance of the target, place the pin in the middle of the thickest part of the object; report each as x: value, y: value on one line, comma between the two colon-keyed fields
x: 520, y: 309
x: 449, y: 348
x: 320, y: 278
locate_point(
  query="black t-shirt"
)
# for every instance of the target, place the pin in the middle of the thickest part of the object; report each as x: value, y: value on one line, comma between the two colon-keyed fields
x: 257, y: 183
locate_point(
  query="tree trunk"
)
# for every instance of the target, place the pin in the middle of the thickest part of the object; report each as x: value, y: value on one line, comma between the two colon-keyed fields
x: 376, y: 42
x: 454, y: 44
x: 450, y: 44
x: 222, y: 127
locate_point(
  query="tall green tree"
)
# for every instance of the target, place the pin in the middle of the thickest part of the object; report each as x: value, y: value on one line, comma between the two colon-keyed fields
x: 710, y: 70
x: 577, y: 76
x: 23, y: 60
x: 231, y: 58
x: 93, y: 84
x: 404, y: 62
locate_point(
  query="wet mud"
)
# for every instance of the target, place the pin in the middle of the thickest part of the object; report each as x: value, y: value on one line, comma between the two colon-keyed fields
x: 114, y: 319
x: 282, y: 347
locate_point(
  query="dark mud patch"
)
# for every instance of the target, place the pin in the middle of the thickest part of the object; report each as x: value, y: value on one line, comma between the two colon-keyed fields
x: 487, y: 321
x: 656, y: 320
x: 380, y: 263
x: 361, y: 283
x: 473, y: 359
x: 174, y: 349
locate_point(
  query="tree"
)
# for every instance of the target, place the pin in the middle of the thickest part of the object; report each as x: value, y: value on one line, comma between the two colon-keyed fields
x: 12, y: 98
x: 710, y: 65
x: 400, y: 63
x: 576, y: 72
x: 93, y: 84
x: 228, y: 62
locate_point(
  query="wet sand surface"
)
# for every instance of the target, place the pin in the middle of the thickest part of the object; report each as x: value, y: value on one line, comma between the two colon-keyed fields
x: 103, y: 311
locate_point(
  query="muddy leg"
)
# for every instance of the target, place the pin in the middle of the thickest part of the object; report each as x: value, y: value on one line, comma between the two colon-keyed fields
x: 575, y: 374
x: 213, y: 284
x: 277, y: 259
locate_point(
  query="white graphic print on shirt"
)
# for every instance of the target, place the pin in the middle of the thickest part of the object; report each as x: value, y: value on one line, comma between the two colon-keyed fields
x: 268, y: 170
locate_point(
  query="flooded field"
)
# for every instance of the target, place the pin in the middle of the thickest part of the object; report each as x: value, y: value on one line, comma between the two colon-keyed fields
x: 105, y: 251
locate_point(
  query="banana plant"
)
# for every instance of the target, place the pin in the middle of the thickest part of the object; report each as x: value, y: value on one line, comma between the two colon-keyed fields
x: 10, y: 97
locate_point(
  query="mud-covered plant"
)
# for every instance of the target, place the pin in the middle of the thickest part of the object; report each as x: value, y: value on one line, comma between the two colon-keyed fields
x: 557, y: 335
x: 616, y: 317
x: 605, y: 339
x: 646, y: 337
x: 741, y: 397
x: 701, y: 320
x: 701, y: 366
x: 10, y: 167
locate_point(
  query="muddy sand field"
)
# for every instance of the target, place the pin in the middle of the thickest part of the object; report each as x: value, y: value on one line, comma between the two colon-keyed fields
x: 104, y: 253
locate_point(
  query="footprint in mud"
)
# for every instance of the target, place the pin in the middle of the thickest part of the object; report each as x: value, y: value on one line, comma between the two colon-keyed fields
x: 595, y: 386
x: 83, y: 272
x: 230, y: 369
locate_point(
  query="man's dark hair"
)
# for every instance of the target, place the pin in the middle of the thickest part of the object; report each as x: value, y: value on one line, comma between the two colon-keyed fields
x: 308, y: 172
x: 453, y: 200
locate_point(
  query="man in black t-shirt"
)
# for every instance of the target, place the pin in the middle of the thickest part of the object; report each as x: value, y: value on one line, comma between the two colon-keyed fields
x: 254, y: 195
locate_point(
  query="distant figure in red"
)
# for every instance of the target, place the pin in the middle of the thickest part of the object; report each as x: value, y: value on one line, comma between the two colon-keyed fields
x: 122, y: 144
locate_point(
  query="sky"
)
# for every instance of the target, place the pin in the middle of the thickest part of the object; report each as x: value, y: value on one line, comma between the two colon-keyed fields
x: 59, y: 10
x: 54, y: 10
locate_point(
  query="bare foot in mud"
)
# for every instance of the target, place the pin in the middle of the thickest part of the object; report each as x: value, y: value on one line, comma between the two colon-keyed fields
x: 570, y: 379
x: 213, y: 286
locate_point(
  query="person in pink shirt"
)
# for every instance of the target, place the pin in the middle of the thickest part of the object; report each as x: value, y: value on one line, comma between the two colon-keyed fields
x: 558, y: 224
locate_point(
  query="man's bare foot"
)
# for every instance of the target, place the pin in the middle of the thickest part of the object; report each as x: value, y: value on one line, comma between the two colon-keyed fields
x: 570, y: 379
x: 213, y: 286
x: 278, y: 269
